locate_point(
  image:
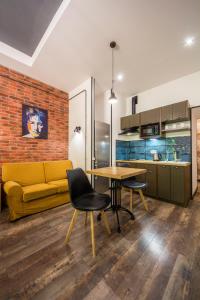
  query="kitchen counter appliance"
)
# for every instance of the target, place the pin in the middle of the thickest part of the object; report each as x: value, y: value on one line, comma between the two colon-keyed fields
x: 150, y: 131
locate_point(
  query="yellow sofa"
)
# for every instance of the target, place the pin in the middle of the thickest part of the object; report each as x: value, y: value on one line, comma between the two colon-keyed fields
x: 35, y: 186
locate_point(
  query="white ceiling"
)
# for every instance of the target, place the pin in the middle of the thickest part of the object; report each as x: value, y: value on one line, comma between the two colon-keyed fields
x: 150, y: 35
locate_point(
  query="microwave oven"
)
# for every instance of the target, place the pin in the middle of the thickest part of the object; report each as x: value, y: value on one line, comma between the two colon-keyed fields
x: 149, y: 131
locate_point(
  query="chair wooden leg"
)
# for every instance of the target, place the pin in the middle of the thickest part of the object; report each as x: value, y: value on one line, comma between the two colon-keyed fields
x: 71, y: 226
x: 105, y: 220
x: 92, y: 233
x: 131, y: 200
x: 86, y: 216
x: 143, y: 200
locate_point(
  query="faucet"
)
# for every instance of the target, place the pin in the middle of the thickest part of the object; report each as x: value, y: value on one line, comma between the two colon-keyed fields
x: 175, y: 155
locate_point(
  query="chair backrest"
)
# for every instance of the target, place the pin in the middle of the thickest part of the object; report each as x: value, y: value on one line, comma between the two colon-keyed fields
x: 78, y: 183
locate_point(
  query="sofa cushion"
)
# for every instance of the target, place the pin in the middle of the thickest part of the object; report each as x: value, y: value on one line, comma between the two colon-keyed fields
x: 56, y: 170
x: 24, y: 173
x: 61, y: 185
x: 36, y: 191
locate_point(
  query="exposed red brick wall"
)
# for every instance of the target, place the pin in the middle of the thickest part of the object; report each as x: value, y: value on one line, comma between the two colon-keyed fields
x: 16, y: 89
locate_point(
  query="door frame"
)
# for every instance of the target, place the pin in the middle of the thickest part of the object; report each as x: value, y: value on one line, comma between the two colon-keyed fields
x: 196, y: 188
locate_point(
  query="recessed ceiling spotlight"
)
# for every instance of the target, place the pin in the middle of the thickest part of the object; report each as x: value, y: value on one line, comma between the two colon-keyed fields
x: 120, y: 77
x: 189, y: 41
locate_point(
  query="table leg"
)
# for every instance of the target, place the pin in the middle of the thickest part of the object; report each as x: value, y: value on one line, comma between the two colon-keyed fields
x: 115, y: 206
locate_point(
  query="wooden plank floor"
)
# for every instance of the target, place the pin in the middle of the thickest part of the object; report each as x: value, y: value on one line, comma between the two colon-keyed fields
x: 157, y: 256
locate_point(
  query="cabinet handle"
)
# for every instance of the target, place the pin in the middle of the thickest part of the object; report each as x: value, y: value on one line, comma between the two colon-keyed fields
x: 163, y: 166
x: 150, y: 172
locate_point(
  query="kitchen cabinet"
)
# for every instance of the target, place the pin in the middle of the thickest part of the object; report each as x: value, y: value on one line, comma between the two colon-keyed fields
x: 164, y: 182
x: 170, y: 113
x: 167, y: 113
x: 124, y: 123
x: 142, y: 177
x: 169, y: 183
x: 180, y: 185
x: 175, y: 112
x: 134, y: 120
x: 151, y: 180
x: 130, y: 121
x: 150, y: 116
x: 181, y: 111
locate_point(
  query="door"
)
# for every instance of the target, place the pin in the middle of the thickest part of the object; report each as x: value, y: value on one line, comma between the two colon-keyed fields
x: 102, y: 154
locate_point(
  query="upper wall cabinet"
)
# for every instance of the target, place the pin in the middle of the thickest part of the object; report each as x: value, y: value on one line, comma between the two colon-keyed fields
x: 134, y: 120
x: 130, y: 121
x: 167, y: 113
x: 124, y: 122
x: 181, y: 111
x: 171, y: 113
x: 150, y: 116
x: 175, y: 112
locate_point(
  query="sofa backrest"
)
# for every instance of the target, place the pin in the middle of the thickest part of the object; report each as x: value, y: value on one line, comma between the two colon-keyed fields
x: 55, y: 170
x: 28, y: 173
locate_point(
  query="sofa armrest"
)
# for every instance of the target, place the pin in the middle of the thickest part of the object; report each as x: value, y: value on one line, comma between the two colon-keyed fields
x: 12, y: 188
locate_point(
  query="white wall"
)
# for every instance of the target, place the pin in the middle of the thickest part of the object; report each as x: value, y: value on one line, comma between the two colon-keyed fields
x: 103, y: 114
x: 80, y: 115
x: 77, y: 141
x: 184, y: 88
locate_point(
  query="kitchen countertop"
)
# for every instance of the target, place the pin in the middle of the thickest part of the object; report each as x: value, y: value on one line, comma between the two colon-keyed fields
x: 161, y: 162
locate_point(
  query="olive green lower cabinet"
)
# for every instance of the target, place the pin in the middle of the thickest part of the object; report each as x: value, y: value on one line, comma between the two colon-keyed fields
x: 181, y: 185
x: 151, y: 180
x: 168, y: 183
x: 174, y: 184
x: 164, y: 182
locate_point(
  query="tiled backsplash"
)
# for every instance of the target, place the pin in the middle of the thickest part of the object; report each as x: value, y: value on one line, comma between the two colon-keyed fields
x: 140, y: 149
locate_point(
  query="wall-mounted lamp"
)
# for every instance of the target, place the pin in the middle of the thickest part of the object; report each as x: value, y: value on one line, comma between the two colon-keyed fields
x: 77, y: 129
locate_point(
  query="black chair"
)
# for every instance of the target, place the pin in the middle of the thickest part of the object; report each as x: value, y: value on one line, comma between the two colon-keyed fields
x: 135, y: 186
x: 84, y: 198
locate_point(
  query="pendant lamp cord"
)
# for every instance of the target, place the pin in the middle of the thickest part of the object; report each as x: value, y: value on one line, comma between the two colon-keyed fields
x: 112, y: 67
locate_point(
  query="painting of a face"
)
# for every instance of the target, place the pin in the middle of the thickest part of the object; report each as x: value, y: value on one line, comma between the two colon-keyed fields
x: 34, y: 122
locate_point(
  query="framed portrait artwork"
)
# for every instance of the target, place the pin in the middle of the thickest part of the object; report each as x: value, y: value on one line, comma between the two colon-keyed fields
x: 34, y: 122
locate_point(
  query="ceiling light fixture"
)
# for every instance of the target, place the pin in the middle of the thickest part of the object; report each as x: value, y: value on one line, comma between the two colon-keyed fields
x: 189, y: 41
x: 112, y: 99
x: 120, y: 77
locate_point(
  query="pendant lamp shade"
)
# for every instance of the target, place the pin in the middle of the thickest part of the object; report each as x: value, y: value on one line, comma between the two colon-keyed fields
x: 112, y: 99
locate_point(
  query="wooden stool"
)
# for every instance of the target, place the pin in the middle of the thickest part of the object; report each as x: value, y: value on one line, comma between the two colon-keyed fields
x: 135, y: 186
